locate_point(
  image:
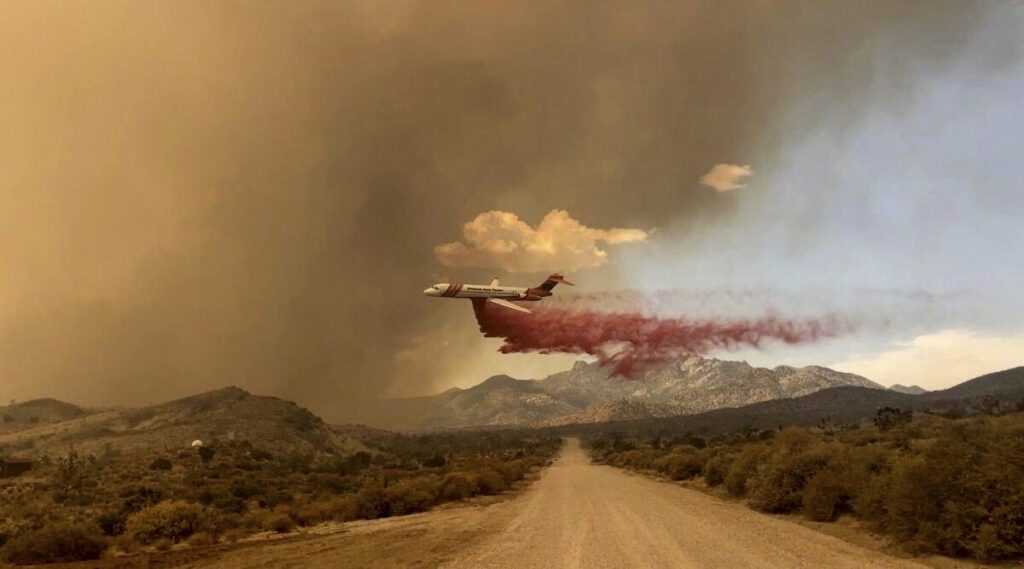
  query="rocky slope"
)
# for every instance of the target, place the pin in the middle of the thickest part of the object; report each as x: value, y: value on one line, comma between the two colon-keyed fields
x: 842, y: 405
x: 222, y: 415
x: 31, y: 414
x: 587, y: 394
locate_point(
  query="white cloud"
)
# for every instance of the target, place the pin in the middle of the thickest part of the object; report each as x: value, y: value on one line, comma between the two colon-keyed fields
x: 939, y: 360
x: 499, y: 239
x: 727, y: 177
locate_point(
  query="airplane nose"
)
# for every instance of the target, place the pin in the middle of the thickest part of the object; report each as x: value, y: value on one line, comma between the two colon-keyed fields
x: 429, y: 291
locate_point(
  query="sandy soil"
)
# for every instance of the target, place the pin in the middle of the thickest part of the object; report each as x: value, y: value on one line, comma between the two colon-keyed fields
x: 576, y: 515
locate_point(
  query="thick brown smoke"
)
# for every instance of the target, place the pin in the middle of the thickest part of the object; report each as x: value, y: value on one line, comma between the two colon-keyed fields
x: 630, y: 341
x: 194, y: 194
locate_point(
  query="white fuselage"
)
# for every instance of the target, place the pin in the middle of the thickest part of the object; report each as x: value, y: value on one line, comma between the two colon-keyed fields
x: 459, y: 290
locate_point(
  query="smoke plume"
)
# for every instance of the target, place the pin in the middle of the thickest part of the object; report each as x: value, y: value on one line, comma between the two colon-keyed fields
x: 630, y: 342
x: 196, y: 194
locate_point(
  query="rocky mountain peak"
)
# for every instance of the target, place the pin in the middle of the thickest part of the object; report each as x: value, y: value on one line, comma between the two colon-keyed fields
x: 587, y: 392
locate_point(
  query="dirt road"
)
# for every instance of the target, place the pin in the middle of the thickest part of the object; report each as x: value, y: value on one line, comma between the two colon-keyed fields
x: 577, y: 515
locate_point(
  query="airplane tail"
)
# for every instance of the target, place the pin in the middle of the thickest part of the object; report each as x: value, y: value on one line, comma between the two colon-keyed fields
x: 552, y: 281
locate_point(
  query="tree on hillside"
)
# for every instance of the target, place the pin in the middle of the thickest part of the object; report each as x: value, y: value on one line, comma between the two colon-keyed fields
x: 888, y: 418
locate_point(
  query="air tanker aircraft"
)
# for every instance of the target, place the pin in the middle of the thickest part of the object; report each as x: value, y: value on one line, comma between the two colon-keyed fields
x: 495, y: 293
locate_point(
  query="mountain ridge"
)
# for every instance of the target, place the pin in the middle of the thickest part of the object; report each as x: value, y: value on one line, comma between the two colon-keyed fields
x: 225, y: 414
x: 588, y: 393
x: 838, y: 405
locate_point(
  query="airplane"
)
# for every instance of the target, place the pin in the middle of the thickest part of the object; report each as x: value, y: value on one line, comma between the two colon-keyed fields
x: 495, y: 293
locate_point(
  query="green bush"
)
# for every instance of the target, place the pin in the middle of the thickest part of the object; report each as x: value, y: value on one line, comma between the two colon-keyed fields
x: 173, y: 520
x: 59, y: 542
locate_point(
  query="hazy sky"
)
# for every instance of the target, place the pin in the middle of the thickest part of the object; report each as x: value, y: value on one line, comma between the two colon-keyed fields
x: 196, y: 194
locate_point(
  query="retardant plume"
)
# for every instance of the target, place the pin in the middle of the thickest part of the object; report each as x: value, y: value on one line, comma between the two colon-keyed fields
x: 630, y: 342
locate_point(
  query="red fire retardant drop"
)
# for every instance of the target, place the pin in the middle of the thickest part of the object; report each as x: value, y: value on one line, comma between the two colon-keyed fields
x: 630, y: 342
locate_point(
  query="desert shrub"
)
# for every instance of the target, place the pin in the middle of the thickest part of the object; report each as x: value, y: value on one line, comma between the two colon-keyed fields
x: 962, y: 496
x: 307, y: 514
x: 512, y: 470
x: 259, y: 454
x: 456, y: 486
x: 373, y: 503
x: 342, y: 508
x: 139, y: 497
x: 888, y: 418
x: 280, y: 523
x: 680, y: 465
x: 411, y: 495
x: 111, y: 522
x: 232, y: 535
x: 206, y: 454
x: 488, y: 481
x: 777, y: 484
x: 715, y: 469
x: 254, y: 520
x: 824, y: 496
x: 842, y: 482
x: 160, y: 464
x: 436, y: 461
x: 54, y: 543
x: 163, y: 544
x: 742, y: 468
x: 637, y: 459
x: 126, y: 544
x: 228, y: 504
x: 245, y: 490
x: 171, y: 520
x: 200, y: 539
x: 331, y: 483
x: 247, y: 465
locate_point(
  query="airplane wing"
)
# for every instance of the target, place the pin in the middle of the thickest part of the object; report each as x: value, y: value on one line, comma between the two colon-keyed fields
x: 507, y: 304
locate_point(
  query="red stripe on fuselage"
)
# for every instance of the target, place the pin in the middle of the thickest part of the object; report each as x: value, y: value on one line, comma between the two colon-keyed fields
x: 453, y: 289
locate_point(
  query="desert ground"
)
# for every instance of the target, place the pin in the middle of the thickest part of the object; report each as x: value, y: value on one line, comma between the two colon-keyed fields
x: 577, y: 514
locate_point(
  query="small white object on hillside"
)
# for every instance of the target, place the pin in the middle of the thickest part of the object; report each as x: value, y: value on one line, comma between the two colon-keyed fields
x: 197, y: 443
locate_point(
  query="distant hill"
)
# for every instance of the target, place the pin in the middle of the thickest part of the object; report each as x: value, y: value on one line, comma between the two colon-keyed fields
x: 908, y: 389
x: 587, y: 394
x: 225, y: 414
x: 840, y: 405
x: 1003, y: 382
x: 30, y: 414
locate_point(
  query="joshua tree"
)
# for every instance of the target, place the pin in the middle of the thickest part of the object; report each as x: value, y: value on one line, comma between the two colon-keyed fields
x: 888, y: 418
